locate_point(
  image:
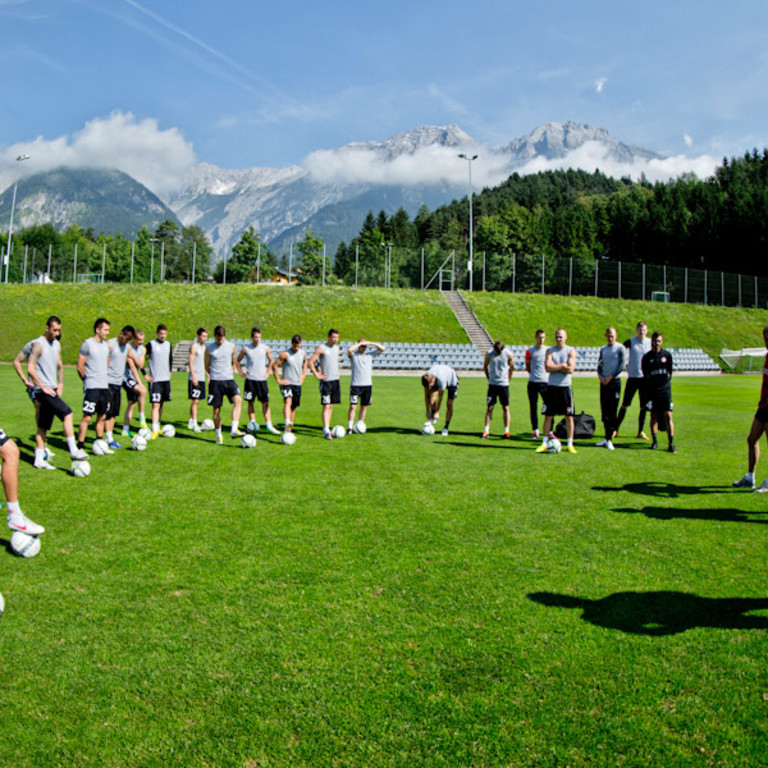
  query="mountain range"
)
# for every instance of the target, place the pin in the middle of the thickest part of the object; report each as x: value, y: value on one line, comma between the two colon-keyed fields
x: 330, y: 194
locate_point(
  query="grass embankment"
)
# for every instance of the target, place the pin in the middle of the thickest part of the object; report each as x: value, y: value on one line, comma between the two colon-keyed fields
x: 389, y: 315
x: 515, y: 317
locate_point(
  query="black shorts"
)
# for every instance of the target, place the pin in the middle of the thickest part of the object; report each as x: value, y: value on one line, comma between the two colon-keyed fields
x: 330, y: 392
x: 217, y: 390
x: 497, y: 392
x: 362, y: 395
x: 31, y: 394
x: 96, y: 401
x: 761, y: 415
x: 3, y: 438
x: 661, y: 400
x: 452, y: 392
x: 50, y: 406
x: 131, y: 395
x: 557, y: 401
x: 633, y: 385
x: 160, y: 392
x: 294, y: 392
x: 256, y: 390
x: 196, y: 392
x: 114, y: 400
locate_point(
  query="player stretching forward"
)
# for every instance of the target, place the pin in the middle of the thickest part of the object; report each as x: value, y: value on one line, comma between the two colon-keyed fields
x: 135, y: 391
x: 327, y: 355
x: 160, y: 356
x: 293, y: 363
x: 120, y: 358
x: 657, y: 369
x: 92, y: 367
x: 361, y: 357
x: 637, y: 347
x: 17, y: 520
x: 436, y: 381
x: 759, y: 427
x: 46, y: 371
x: 197, y: 377
x: 558, y: 399
x: 220, y: 362
x: 535, y: 359
x: 258, y: 364
x: 498, y: 367
x: 612, y: 361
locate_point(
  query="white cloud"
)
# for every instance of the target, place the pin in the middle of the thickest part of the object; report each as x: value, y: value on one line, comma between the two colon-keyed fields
x: 600, y: 84
x: 159, y: 159
x: 688, y: 139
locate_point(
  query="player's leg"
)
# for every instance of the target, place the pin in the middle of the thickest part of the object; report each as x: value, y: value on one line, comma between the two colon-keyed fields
x: 533, y: 407
x: 141, y: 391
x: 570, y: 428
x: 507, y: 420
x: 670, y: 432
x: 490, y: 400
x: 546, y: 431
x: 267, y: 413
x: 654, y: 429
x: 753, y: 441
x: 326, y: 414
x: 287, y: 413
x: 237, y: 404
x: 448, y: 414
x: 351, y: 412
x: 9, y: 474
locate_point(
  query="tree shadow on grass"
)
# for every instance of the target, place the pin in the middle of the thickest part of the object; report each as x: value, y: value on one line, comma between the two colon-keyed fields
x: 664, y: 490
x: 727, y: 515
x: 661, y: 613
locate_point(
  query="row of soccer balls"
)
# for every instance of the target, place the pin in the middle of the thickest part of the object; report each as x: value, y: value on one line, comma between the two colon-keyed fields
x: 552, y: 443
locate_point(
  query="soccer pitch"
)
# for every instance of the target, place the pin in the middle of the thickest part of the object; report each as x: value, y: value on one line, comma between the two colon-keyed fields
x: 392, y: 599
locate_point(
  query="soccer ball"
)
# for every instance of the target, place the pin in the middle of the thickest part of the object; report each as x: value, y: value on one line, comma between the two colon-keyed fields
x: 554, y: 445
x: 360, y: 427
x: 248, y: 441
x: 25, y: 545
x: 2, y: 605
x: 100, y: 447
x: 138, y: 443
x: 338, y: 431
x: 252, y: 427
x: 287, y: 438
x: 145, y: 433
x: 168, y: 430
x: 80, y: 468
x: 207, y: 425
x: 428, y: 428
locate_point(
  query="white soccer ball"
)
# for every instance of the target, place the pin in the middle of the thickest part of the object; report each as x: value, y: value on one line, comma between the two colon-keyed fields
x: 145, y: 433
x: 80, y: 468
x: 248, y: 441
x: 207, y: 425
x: 168, y: 430
x: 554, y: 445
x: 100, y: 447
x: 360, y: 427
x: 25, y: 545
x: 287, y: 438
x: 428, y: 428
x: 2, y: 604
x: 252, y: 427
x: 338, y: 431
x: 138, y: 443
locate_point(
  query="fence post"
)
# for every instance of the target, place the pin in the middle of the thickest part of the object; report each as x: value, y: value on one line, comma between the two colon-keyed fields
x: 542, y: 274
x: 74, y: 268
x: 194, y: 262
x: 739, y: 288
x: 103, y: 261
x: 597, y: 270
x: 755, y: 291
x: 643, y: 281
x: 483, y: 270
x: 722, y: 288
x: 357, y: 264
x: 705, y: 287
x: 619, y: 296
x: 665, y: 278
x: 570, y: 275
x: 514, y: 272
x: 24, y: 273
x: 685, y: 292
x: 50, y: 249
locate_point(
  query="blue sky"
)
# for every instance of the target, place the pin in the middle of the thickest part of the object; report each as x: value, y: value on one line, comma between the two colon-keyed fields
x: 241, y: 84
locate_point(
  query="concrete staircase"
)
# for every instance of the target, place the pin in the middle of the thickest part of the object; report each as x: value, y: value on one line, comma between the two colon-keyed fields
x: 468, y: 321
x: 180, y: 359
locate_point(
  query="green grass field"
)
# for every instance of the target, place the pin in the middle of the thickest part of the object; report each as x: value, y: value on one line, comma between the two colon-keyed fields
x: 392, y: 599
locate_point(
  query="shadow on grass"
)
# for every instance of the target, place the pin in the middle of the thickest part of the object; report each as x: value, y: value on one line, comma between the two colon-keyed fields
x: 661, y: 613
x: 664, y: 490
x: 728, y: 515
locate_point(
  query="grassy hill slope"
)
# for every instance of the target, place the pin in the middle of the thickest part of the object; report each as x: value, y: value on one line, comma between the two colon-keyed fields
x: 389, y: 315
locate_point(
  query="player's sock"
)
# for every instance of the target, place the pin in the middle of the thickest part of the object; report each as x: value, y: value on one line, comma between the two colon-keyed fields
x: 39, y: 455
x: 108, y: 436
x: 13, y: 506
x: 326, y: 430
x: 570, y: 442
x: 349, y: 424
x: 71, y: 444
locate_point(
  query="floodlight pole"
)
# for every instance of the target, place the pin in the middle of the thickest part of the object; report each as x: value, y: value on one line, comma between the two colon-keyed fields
x: 471, y: 230
x: 19, y: 159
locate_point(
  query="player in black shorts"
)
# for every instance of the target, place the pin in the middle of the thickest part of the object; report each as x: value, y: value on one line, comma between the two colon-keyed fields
x: 657, y: 371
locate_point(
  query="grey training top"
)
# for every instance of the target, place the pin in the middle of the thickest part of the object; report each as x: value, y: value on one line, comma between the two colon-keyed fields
x: 362, y: 367
x: 198, y: 362
x: 221, y: 360
x: 637, y: 348
x: 117, y: 362
x: 498, y: 367
x: 612, y: 360
x: 293, y: 365
x: 256, y: 361
x: 139, y: 353
x: 329, y: 361
x: 159, y: 355
x: 48, y: 361
x: 537, y: 357
x: 96, y: 355
x: 560, y: 356
x: 444, y: 375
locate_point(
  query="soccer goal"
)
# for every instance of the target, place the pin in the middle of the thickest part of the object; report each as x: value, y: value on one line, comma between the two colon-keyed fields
x: 744, y: 360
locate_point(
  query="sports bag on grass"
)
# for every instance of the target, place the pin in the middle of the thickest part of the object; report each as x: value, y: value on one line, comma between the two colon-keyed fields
x: 583, y: 426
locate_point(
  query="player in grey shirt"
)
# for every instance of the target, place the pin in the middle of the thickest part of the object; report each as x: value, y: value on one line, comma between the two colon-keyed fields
x: 220, y: 363
x: 258, y: 365
x: 197, y: 377
x: 120, y: 357
x: 293, y: 363
x: 558, y: 398
x: 636, y: 347
x: 436, y: 381
x: 498, y: 367
x: 361, y: 356
x: 92, y: 367
x: 160, y: 357
x: 612, y: 361
x: 535, y: 360
x: 324, y: 366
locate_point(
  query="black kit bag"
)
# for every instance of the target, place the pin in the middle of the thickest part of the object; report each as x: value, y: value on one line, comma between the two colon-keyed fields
x: 583, y: 427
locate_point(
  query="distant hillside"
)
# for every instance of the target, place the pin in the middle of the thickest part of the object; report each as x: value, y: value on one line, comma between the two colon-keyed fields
x: 102, y: 200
